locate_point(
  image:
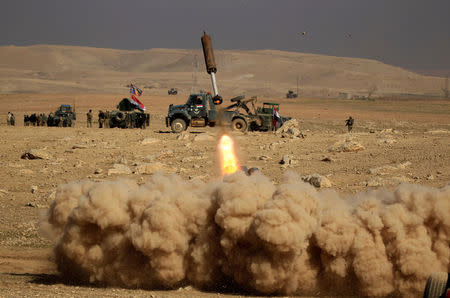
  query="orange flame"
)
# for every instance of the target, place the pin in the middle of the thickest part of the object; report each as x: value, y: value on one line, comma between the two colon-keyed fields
x: 228, y: 159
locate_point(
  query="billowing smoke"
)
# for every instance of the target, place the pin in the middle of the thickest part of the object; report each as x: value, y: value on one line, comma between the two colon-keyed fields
x: 247, y: 232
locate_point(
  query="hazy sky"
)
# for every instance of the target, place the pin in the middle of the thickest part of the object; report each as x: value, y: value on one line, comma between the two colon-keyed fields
x: 414, y: 34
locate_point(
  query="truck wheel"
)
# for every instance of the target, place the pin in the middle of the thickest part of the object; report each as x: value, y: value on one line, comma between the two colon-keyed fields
x: 178, y: 125
x: 239, y: 124
x: 436, y: 285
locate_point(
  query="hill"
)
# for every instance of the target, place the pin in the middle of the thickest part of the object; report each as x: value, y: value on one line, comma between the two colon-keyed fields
x: 69, y: 69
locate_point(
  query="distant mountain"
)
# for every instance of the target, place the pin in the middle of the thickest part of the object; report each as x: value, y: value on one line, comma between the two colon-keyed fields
x: 69, y: 69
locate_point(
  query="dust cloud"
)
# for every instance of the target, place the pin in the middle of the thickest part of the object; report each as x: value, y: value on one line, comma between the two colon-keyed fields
x: 247, y: 232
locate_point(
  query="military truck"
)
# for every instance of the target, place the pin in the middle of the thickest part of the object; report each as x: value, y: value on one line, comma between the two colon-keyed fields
x: 200, y: 111
x: 65, y: 116
x: 291, y: 94
x: 128, y: 115
x: 172, y: 91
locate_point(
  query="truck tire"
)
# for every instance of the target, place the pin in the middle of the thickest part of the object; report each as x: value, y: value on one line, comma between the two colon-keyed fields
x: 437, y: 285
x: 239, y: 124
x: 178, y: 125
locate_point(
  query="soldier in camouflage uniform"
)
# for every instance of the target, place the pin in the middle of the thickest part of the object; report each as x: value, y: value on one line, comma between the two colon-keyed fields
x: 107, y: 117
x: 44, y: 119
x: 101, y: 118
x: 349, y: 123
x: 89, y: 119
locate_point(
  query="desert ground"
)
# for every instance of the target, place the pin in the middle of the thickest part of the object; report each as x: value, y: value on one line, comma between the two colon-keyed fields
x: 402, y: 141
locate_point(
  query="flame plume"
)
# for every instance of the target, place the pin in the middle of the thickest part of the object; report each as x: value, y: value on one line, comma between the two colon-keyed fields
x: 228, y: 159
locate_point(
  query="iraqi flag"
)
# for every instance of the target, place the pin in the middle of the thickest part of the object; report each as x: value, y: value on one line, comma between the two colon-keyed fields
x: 137, y: 103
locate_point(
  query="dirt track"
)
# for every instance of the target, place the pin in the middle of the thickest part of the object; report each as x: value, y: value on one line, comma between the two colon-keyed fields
x: 392, y: 132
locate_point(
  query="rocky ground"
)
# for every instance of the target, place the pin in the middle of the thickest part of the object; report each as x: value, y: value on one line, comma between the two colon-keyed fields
x: 380, y: 152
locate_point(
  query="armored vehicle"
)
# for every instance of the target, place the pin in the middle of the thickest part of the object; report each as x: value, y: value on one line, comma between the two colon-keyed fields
x: 128, y: 115
x: 200, y: 111
x: 256, y: 118
x: 172, y: 91
x: 65, y: 116
x: 291, y: 94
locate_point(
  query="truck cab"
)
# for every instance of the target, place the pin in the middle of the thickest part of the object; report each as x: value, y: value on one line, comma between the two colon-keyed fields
x: 198, y: 111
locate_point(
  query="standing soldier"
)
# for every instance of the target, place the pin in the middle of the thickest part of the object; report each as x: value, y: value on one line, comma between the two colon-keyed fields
x: 89, y: 118
x: 107, y: 116
x: 349, y: 123
x: 13, y: 119
x: 8, y: 119
x: 44, y: 119
x: 101, y: 118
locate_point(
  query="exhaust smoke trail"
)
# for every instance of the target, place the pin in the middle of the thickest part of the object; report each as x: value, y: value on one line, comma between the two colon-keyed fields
x: 270, y: 239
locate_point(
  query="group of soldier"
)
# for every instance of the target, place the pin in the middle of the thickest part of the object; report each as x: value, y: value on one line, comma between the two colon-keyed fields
x: 35, y: 120
x: 103, y: 119
x: 120, y: 119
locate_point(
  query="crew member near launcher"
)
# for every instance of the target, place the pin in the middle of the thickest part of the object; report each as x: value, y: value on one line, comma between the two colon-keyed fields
x: 349, y: 123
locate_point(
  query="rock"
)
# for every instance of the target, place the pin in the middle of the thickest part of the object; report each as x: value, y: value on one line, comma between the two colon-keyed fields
x: 34, y: 189
x: 119, y: 169
x: 183, y: 136
x: 3, y: 192
x: 31, y: 204
x: 203, y: 137
x: 286, y: 160
x: 98, y: 171
x: 264, y: 157
x: 79, y: 164
x: 389, y: 131
x: 346, y: 146
x: 317, y: 180
x: 429, y: 177
x: 150, y: 168
x: 293, y: 123
x: 389, y: 168
x: 327, y: 159
x: 148, y: 141
x: 372, y: 131
x: 123, y: 161
x: 36, y: 154
x: 374, y: 182
x: 166, y: 152
x: 80, y: 146
x: 387, y: 140
x: 26, y: 171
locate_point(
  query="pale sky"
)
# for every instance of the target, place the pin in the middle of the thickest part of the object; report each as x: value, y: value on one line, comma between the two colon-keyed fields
x: 414, y: 34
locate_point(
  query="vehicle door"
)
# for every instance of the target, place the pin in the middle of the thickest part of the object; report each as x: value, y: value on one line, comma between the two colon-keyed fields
x: 198, y: 106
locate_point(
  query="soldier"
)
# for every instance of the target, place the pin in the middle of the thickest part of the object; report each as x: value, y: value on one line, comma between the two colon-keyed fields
x: 107, y: 116
x: 44, y: 119
x: 50, y: 120
x: 13, y: 120
x: 89, y: 118
x: 349, y: 123
x: 8, y: 119
x: 101, y: 118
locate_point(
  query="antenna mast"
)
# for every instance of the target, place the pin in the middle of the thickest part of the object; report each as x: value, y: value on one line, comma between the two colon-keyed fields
x: 194, y: 75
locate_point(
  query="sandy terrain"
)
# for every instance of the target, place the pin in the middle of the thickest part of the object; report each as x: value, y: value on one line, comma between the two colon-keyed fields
x: 404, y: 141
